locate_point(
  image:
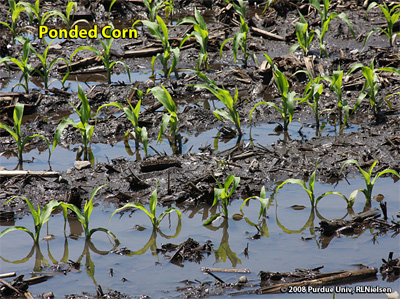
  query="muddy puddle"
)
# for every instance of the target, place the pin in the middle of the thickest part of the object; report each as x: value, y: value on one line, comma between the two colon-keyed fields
x: 289, y: 241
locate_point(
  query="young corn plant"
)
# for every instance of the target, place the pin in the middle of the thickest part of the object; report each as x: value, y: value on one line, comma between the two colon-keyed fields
x: 263, y: 200
x: 225, y: 97
x: 312, y: 93
x: 391, y: 16
x: 44, y: 72
x: 140, y: 134
x: 40, y: 217
x: 83, y: 126
x: 326, y: 18
x: 16, y: 133
x: 22, y: 63
x: 304, y: 36
x: 14, y: 11
x: 153, y: 6
x: 33, y: 10
x: 151, y: 213
x: 171, y: 118
x: 336, y: 81
x: 370, y: 87
x: 288, y: 98
x: 310, y: 189
x: 105, y: 56
x: 223, y: 193
x: 84, y: 217
x: 66, y: 17
x: 369, y: 180
x: 160, y: 31
x: 201, y: 35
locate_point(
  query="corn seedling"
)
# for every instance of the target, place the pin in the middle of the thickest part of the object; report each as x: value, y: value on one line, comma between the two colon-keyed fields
x: 14, y: 11
x: 369, y: 181
x: 304, y: 36
x: 312, y: 93
x: 40, y: 217
x: 310, y: 189
x: 34, y: 10
x: 16, y: 132
x: 336, y: 81
x: 83, y: 126
x: 66, y: 18
x: 325, y: 20
x: 370, y: 87
x: 45, y: 72
x: 22, y: 63
x: 391, y: 16
x: 240, y: 38
x: 105, y: 56
x: 170, y: 118
x: 133, y: 115
x: 84, y: 217
x: 267, y: 5
x: 201, y: 35
x: 160, y: 31
x: 263, y: 200
x: 225, y: 97
x: 151, y: 213
x: 223, y: 193
x: 169, y: 10
x: 153, y: 6
x: 288, y: 98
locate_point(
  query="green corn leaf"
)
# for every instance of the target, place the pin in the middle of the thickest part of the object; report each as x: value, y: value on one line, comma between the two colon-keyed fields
x: 211, y: 219
x: 168, y: 211
x: 14, y: 228
x: 108, y: 232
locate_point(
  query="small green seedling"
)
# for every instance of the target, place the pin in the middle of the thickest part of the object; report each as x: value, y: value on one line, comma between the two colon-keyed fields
x: 370, y: 87
x: 225, y: 97
x: 223, y: 193
x: 310, y: 189
x: 304, y: 36
x: 14, y: 10
x: 171, y: 117
x: 84, y: 217
x: 140, y: 134
x: 44, y: 71
x: 312, y: 93
x: 16, y: 133
x: 288, y: 98
x: 34, y: 10
x: 66, y: 18
x: 263, y: 200
x: 105, y: 56
x: 201, y: 35
x: 160, y: 31
x: 336, y: 81
x: 22, y: 63
x: 153, y: 6
x: 369, y: 181
x: 40, y: 217
x: 325, y: 20
x: 83, y: 126
x: 391, y: 16
x: 151, y: 213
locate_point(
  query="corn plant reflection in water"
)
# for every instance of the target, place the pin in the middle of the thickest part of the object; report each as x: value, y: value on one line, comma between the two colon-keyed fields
x: 224, y: 250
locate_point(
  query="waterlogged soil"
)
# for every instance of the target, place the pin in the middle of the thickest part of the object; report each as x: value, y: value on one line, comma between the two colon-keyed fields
x: 186, y: 178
